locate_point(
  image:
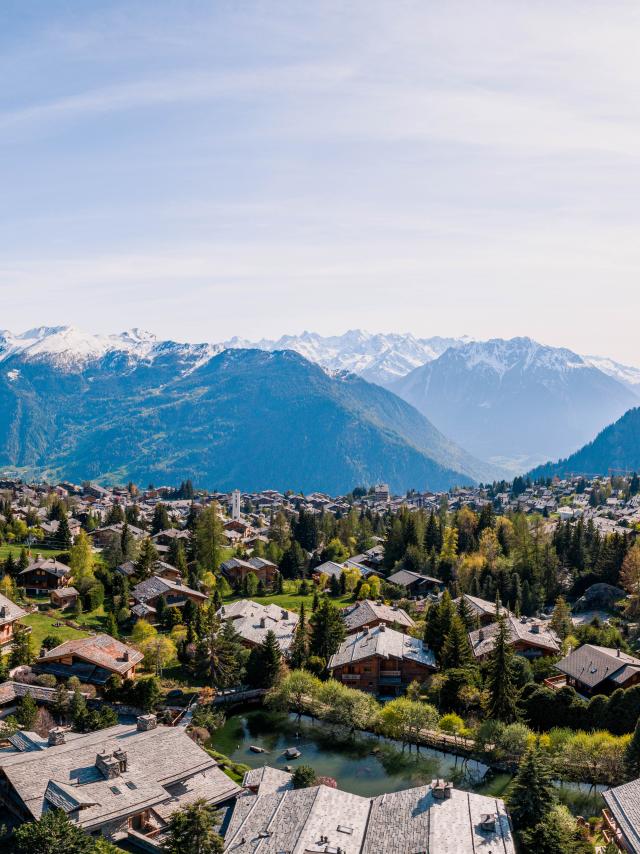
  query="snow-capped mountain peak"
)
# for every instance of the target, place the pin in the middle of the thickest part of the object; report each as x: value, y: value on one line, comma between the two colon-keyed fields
x: 503, y: 355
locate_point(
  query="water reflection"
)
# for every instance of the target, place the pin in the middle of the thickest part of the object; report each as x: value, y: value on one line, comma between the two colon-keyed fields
x: 364, y: 764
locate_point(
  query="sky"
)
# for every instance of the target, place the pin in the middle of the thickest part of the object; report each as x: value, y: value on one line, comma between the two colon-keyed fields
x: 210, y: 169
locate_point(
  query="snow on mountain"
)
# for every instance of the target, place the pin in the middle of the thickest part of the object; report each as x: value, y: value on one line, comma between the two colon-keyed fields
x: 515, y: 402
x: 377, y: 357
x: 68, y: 347
x: 626, y: 374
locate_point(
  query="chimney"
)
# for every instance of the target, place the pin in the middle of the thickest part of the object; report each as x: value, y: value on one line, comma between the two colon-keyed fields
x: 284, y: 614
x: 383, y: 628
x: 263, y: 622
x: 121, y: 756
x: 147, y: 722
x: 108, y: 765
x: 535, y: 628
x: 3, y: 611
x: 618, y: 652
x: 125, y: 655
x: 481, y: 635
x: 488, y: 821
x: 56, y: 736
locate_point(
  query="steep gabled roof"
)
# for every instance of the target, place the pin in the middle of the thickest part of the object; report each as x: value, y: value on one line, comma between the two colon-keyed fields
x: 591, y: 665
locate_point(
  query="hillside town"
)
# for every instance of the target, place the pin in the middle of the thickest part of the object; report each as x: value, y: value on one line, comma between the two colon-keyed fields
x: 496, y: 625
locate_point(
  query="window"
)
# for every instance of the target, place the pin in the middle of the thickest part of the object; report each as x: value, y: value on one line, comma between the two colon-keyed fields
x: 115, y: 790
x: 344, y: 828
x: 131, y: 785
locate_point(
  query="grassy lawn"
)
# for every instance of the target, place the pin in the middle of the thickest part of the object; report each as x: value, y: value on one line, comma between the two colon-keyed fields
x: 42, y: 625
x: 291, y: 600
x: 6, y: 549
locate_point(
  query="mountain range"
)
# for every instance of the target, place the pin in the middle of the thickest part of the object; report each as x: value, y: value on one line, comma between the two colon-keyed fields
x: 514, y: 403
x: 130, y: 407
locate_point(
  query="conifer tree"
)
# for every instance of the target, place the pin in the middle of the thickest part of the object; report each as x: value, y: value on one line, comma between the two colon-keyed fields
x: 63, y: 534
x: 27, y: 712
x: 10, y: 566
x: 532, y: 794
x: 300, y: 646
x: 503, y: 694
x: 23, y: 560
x: 147, y: 557
x: 327, y: 630
x: 456, y: 651
x: 470, y: 622
x: 160, y: 520
x: 21, y: 648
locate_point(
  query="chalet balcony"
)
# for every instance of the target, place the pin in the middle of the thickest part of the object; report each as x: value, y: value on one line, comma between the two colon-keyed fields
x: 556, y: 682
x: 350, y: 677
x: 390, y: 677
x: 611, y: 832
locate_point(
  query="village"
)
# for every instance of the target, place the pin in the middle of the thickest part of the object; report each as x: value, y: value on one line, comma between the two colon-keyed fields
x: 496, y: 624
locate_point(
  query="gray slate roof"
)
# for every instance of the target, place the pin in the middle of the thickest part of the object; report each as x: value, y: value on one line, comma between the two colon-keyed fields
x: 50, y: 565
x: 9, y: 611
x: 384, y: 643
x: 624, y: 804
x: 156, y: 760
x: 366, y: 612
x: 520, y: 629
x: 155, y: 586
x: 402, y: 822
x: 252, y: 621
x: 405, y: 577
x: 591, y: 664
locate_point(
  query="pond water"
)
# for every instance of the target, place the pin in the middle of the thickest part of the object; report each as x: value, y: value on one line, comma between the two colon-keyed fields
x: 363, y: 764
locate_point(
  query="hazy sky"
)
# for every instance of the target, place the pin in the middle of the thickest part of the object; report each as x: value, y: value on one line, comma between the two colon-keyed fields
x: 205, y: 169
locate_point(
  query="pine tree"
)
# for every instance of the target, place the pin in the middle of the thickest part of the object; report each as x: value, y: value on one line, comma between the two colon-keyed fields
x: 438, y: 623
x: 78, y: 710
x: 532, y: 794
x: 456, y: 651
x: 300, y: 645
x: 334, y: 586
x: 60, y: 705
x: 316, y: 600
x: 464, y: 612
x: 327, y: 630
x: 10, y: 566
x: 279, y: 584
x: 271, y: 659
x: 216, y: 660
x: 63, y: 534
x: 27, y: 712
x: 147, y: 558
x: 23, y: 560
x: 21, y: 648
x: 160, y: 520
x: 500, y: 680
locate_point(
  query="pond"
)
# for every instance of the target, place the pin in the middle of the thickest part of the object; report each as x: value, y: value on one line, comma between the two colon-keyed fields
x: 363, y: 764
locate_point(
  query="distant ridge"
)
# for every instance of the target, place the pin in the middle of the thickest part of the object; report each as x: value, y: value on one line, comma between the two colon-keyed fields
x: 616, y: 447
